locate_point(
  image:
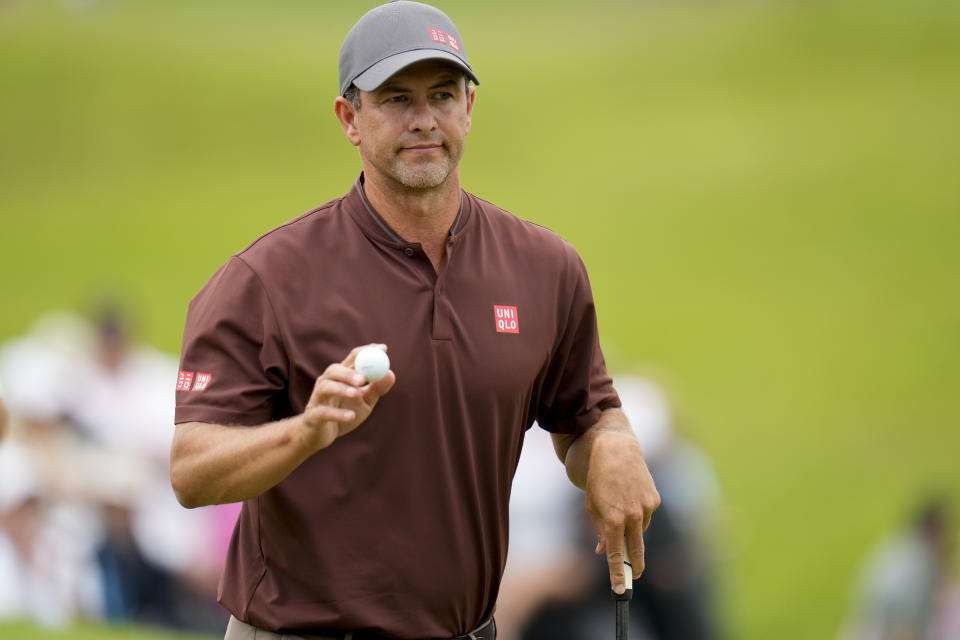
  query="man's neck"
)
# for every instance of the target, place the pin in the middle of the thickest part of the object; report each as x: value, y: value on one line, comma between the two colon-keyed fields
x: 417, y: 215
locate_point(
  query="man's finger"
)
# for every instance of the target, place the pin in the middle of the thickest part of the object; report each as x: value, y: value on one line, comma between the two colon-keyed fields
x: 343, y: 373
x: 324, y: 412
x: 376, y: 389
x: 329, y: 388
x: 352, y: 356
x: 333, y: 385
x: 615, y: 558
x: 635, y: 551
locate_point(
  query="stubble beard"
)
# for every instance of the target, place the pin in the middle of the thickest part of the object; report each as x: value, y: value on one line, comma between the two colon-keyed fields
x: 425, y: 174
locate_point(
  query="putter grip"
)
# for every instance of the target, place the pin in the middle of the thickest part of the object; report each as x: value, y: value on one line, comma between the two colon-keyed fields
x: 628, y: 592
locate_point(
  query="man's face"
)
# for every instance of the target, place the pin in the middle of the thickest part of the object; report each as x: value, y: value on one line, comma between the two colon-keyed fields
x: 412, y: 128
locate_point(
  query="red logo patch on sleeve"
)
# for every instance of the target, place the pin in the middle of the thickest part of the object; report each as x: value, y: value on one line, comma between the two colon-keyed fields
x: 184, y: 380
x: 203, y: 379
x: 506, y: 319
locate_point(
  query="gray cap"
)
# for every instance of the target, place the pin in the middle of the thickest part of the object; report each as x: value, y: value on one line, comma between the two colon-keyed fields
x: 395, y: 35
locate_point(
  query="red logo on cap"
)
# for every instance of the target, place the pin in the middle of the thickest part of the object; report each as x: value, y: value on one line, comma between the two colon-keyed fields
x: 506, y: 319
x: 439, y: 36
x: 184, y: 380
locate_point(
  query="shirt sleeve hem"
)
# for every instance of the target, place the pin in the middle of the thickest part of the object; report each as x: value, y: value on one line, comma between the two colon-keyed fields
x: 582, y: 422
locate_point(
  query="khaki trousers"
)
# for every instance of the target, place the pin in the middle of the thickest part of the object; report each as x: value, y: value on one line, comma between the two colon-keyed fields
x: 237, y: 630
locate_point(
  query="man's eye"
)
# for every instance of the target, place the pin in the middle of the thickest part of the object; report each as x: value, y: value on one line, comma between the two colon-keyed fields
x: 443, y: 95
x: 397, y: 99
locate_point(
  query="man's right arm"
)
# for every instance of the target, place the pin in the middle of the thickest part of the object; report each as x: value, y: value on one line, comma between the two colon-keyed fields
x: 216, y: 464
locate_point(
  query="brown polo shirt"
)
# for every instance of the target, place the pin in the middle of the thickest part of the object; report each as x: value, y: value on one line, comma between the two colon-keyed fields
x: 399, y: 527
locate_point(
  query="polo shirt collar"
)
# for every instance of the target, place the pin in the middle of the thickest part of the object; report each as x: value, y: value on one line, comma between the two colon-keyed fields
x: 375, y: 227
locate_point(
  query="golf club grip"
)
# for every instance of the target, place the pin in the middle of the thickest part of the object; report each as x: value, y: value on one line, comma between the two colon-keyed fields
x: 623, y: 619
x: 623, y: 601
x: 628, y: 581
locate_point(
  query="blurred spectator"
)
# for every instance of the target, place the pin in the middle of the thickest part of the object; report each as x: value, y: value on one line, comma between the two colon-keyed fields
x: 47, y: 568
x: 546, y: 563
x: 674, y: 597
x: 902, y: 592
x: 947, y: 623
x: 3, y: 414
x: 92, y: 417
x: 46, y: 542
x: 554, y: 587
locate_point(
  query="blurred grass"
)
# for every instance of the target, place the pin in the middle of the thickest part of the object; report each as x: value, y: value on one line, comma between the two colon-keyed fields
x: 766, y: 195
x: 89, y: 631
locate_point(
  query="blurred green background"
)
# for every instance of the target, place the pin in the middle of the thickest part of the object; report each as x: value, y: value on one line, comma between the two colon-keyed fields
x: 766, y: 194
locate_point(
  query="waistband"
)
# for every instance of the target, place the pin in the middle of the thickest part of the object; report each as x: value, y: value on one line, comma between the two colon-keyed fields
x: 239, y: 630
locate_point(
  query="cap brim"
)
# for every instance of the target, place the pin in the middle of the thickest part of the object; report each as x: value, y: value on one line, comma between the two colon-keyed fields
x: 381, y: 71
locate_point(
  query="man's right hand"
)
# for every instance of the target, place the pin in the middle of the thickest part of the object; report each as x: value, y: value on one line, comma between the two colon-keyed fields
x: 341, y: 400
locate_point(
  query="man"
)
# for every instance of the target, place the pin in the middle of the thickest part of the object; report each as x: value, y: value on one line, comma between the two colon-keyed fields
x: 379, y: 510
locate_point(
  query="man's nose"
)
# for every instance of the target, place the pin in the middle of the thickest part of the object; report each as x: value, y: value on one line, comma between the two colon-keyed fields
x: 422, y: 117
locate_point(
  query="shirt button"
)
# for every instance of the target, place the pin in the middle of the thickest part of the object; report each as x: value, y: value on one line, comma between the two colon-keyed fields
x: 409, y: 252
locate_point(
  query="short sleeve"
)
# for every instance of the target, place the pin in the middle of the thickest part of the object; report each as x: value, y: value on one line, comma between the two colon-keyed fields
x: 233, y: 367
x: 576, y: 388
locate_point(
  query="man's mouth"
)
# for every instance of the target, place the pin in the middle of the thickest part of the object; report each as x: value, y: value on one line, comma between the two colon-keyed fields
x: 422, y: 147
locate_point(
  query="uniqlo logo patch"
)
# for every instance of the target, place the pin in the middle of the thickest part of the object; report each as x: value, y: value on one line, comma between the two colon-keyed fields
x: 506, y: 319
x: 203, y: 379
x: 184, y: 380
x: 445, y: 38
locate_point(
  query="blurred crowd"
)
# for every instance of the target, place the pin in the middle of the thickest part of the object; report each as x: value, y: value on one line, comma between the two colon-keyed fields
x: 89, y: 525
x: 904, y: 591
x: 555, y: 588
x: 90, y: 528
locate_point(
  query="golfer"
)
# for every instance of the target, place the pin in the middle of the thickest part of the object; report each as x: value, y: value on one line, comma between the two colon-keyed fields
x: 379, y: 510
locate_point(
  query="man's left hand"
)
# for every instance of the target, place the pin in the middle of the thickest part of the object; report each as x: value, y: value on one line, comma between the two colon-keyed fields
x: 607, y: 463
x: 621, y: 498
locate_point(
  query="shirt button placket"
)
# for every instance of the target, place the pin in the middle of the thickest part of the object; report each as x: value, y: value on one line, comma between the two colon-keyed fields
x: 442, y: 310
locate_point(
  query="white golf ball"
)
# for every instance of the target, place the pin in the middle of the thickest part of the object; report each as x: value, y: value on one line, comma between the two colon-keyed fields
x: 372, y: 362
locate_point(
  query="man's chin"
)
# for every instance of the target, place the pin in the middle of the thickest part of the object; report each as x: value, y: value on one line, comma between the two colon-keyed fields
x: 423, y: 178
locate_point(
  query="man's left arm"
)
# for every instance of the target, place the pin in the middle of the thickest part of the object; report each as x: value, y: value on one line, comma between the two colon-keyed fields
x: 607, y: 463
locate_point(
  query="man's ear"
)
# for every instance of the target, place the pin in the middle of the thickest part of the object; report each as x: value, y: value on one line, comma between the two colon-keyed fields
x: 471, y: 96
x: 347, y: 114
